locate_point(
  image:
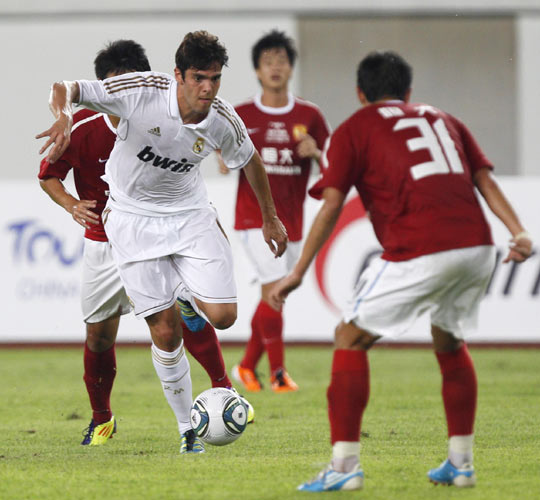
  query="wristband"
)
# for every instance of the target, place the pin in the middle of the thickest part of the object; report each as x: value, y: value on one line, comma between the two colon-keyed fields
x: 522, y: 235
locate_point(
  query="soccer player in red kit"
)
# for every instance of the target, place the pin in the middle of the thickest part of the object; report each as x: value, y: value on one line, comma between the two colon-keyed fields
x: 289, y: 134
x: 103, y: 297
x: 415, y: 168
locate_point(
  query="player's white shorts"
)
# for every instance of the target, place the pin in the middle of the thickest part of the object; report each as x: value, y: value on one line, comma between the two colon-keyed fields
x: 102, y: 292
x: 158, y: 255
x: 267, y: 267
x: 389, y: 296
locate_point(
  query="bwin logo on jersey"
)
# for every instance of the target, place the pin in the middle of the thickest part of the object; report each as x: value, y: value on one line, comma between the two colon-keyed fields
x: 199, y: 145
x: 181, y: 166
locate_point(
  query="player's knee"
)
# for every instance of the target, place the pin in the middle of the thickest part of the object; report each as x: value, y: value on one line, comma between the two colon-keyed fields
x: 165, y: 329
x: 166, y: 339
x: 224, y: 320
x: 222, y: 316
x: 349, y: 336
x: 444, y: 341
x: 99, y: 338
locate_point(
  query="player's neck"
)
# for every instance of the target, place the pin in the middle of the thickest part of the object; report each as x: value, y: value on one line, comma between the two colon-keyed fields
x: 114, y: 120
x: 275, y: 98
x: 192, y: 117
x: 189, y: 115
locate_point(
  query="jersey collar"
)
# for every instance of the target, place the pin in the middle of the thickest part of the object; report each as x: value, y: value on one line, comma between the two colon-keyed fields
x: 174, y: 111
x: 173, y: 101
x: 274, y: 111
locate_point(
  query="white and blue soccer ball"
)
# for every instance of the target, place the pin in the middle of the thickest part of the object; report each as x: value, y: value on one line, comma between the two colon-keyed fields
x: 218, y: 416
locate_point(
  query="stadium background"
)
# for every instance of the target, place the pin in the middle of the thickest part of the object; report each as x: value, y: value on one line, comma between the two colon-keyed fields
x: 476, y: 59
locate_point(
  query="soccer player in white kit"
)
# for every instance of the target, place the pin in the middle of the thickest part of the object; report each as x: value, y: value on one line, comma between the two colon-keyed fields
x: 164, y: 233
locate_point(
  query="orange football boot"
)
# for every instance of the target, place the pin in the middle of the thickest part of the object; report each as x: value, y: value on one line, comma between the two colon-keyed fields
x: 248, y: 378
x: 282, y: 382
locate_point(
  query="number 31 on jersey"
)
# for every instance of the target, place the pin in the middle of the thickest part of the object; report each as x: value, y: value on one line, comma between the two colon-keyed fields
x: 431, y: 138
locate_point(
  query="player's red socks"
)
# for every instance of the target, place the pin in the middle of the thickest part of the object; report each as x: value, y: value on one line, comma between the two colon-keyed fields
x: 459, y: 390
x: 99, y: 373
x: 204, y: 347
x: 269, y: 323
x: 348, y: 394
x: 255, y: 346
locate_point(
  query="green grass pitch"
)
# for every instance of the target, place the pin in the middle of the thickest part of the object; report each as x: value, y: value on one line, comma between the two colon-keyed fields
x: 44, y: 409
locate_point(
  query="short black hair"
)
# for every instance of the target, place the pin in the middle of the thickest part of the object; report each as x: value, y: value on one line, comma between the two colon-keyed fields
x: 273, y: 40
x: 121, y: 56
x: 384, y: 75
x: 200, y: 50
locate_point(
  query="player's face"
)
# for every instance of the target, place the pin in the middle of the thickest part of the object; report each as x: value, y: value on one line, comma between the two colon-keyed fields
x: 197, y: 89
x: 275, y: 70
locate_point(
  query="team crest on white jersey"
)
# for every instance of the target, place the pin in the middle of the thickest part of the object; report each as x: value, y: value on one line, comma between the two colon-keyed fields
x: 155, y: 131
x: 199, y: 145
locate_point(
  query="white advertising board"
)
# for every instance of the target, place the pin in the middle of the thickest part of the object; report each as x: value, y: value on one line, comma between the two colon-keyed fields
x: 40, y: 255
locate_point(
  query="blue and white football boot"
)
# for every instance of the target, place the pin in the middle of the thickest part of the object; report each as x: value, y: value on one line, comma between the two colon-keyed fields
x: 447, y: 474
x: 331, y: 480
x: 193, y: 321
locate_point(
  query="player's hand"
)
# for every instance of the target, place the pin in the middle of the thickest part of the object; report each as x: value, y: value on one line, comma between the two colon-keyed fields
x: 275, y: 235
x: 307, y: 147
x: 283, y: 288
x: 59, y: 136
x: 83, y: 215
x: 520, y: 248
x: 223, y: 168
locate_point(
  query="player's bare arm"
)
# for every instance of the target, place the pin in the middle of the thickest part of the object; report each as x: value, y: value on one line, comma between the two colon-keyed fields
x: 274, y: 231
x: 62, y: 97
x: 221, y: 164
x: 320, y: 231
x: 307, y: 147
x: 521, y: 242
x: 80, y: 210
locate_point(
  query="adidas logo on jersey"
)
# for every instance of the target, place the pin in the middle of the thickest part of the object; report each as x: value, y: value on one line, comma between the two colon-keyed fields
x: 155, y: 131
x: 147, y: 155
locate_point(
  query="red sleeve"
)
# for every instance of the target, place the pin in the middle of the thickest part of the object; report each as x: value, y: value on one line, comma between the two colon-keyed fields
x: 342, y: 168
x: 70, y: 157
x: 58, y: 169
x: 475, y: 156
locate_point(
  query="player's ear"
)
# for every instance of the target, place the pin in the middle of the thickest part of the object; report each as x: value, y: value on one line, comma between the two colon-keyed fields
x: 361, y: 96
x: 407, y: 97
x: 178, y: 75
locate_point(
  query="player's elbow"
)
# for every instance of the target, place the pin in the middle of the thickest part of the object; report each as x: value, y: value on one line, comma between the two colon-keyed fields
x: 44, y: 185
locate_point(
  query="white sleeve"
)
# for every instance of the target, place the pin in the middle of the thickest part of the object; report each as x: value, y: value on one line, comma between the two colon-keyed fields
x: 103, y: 96
x: 236, y: 147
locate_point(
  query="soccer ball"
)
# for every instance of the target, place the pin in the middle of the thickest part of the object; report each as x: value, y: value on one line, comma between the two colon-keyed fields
x: 218, y: 416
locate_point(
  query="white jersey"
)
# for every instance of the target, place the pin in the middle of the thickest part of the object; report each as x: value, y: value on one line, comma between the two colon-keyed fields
x: 154, y: 168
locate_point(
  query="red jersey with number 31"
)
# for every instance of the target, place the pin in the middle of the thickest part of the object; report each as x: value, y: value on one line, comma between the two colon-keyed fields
x: 413, y: 167
x: 92, y: 140
x: 275, y: 132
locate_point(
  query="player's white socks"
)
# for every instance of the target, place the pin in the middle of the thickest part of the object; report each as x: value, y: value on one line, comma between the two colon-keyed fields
x: 172, y: 368
x: 345, y: 455
x: 460, y: 450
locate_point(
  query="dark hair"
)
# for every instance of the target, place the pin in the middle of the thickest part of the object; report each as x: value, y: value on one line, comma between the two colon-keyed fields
x: 200, y: 50
x: 121, y: 56
x: 273, y: 40
x: 383, y: 74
